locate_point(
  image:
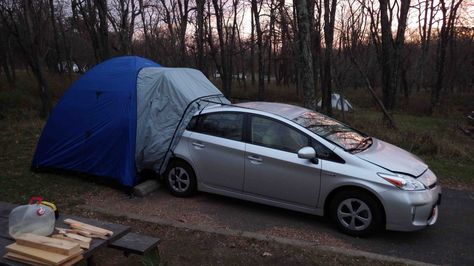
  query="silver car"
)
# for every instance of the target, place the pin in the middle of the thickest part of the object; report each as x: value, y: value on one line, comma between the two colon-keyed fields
x: 291, y: 157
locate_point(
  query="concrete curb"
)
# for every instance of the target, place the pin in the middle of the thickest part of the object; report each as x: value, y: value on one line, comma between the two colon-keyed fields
x: 257, y: 236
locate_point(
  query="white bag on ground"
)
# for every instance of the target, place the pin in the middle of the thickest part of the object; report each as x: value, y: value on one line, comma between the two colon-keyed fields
x: 33, y: 218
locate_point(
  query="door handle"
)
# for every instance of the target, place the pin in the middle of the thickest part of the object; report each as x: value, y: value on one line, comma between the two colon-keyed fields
x: 198, y: 145
x: 255, y: 158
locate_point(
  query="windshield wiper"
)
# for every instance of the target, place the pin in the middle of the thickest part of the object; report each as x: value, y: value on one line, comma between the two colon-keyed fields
x: 359, y: 146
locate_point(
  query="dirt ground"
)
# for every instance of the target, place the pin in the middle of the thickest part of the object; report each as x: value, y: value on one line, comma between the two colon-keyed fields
x: 187, y: 247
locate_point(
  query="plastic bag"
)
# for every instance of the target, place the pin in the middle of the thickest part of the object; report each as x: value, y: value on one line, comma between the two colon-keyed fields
x: 34, y: 218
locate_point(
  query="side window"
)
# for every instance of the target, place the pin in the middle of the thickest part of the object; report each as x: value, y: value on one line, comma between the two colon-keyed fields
x: 272, y: 134
x: 324, y: 153
x: 192, y: 124
x: 225, y: 125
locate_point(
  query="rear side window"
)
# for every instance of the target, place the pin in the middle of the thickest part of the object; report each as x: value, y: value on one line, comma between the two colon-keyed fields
x: 225, y: 125
x: 272, y: 134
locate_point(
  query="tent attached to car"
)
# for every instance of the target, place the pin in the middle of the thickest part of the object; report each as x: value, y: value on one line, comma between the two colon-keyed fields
x: 122, y: 116
x: 339, y: 103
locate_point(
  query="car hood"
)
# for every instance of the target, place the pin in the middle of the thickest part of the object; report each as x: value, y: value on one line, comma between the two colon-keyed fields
x: 392, y: 158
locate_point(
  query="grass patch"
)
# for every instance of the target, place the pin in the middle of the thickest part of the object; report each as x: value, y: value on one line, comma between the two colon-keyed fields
x: 17, y: 144
x: 437, y: 140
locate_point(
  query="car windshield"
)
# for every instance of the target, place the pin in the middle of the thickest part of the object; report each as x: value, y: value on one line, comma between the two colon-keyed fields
x: 334, y: 131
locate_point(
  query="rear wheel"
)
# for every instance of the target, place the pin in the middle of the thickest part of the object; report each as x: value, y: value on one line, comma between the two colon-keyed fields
x: 356, y: 212
x: 180, y: 179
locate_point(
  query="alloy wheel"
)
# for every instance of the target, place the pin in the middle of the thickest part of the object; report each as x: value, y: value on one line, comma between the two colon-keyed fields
x: 354, y: 214
x: 179, y: 179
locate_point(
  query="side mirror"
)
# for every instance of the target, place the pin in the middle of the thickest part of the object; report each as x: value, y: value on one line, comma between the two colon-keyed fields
x: 308, y: 153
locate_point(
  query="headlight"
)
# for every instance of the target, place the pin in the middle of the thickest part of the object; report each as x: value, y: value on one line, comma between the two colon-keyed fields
x: 402, y: 181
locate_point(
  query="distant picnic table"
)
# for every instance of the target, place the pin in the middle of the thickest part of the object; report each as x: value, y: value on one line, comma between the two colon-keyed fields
x: 118, y: 230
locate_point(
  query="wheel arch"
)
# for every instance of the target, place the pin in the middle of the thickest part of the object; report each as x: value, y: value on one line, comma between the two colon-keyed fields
x: 367, y: 191
x: 181, y: 159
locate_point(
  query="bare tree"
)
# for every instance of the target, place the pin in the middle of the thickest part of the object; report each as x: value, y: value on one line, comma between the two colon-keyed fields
x: 256, y: 7
x: 426, y: 14
x: 200, y: 34
x: 93, y: 15
x: 326, y: 84
x: 25, y: 21
x: 391, y: 49
x: 122, y: 17
x: 449, y: 16
x: 305, y: 60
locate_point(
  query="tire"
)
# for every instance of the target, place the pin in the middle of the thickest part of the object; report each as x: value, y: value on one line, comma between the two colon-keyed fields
x: 356, y: 213
x: 180, y: 179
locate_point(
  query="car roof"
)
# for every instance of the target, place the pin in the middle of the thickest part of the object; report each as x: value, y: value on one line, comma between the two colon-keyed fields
x: 281, y: 109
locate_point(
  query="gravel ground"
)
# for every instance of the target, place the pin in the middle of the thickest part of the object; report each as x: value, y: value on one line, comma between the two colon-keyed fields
x: 187, y: 247
x: 195, y: 211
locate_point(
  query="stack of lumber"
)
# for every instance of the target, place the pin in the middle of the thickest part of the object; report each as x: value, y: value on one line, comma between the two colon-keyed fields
x: 40, y: 250
x: 81, y: 233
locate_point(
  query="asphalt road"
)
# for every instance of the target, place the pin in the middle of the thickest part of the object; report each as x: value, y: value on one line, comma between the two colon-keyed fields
x: 450, y: 241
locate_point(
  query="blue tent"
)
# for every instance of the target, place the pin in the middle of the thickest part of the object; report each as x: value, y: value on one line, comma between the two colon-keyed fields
x: 94, y: 127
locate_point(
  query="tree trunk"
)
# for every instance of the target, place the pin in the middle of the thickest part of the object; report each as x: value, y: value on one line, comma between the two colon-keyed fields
x: 200, y: 35
x: 261, y: 66
x: 35, y: 62
x: 305, y: 59
x: 252, y: 49
x: 103, y: 33
x: 448, y: 21
x: 326, y: 85
x: 58, y: 64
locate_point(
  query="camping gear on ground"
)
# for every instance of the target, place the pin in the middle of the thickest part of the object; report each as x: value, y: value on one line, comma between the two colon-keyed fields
x: 122, y: 116
x: 34, y: 218
x: 338, y: 102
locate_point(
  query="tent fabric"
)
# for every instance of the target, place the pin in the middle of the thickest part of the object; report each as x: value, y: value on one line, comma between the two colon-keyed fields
x: 339, y: 103
x: 175, y: 92
x: 92, y: 128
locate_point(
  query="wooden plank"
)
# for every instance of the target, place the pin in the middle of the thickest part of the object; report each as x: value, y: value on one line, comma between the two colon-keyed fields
x: 78, y: 237
x: 96, y: 244
x: 88, y: 227
x: 79, y: 232
x: 83, y: 245
x: 49, y: 244
x: 41, y: 255
x: 74, y: 231
x: 23, y: 259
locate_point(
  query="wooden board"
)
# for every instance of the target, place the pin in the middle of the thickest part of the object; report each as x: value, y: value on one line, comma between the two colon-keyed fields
x: 83, y: 245
x: 26, y: 260
x: 73, y: 261
x: 87, y: 227
x: 40, y: 255
x: 48, y: 244
x: 23, y: 259
x: 74, y: 231
x: 78, y: 237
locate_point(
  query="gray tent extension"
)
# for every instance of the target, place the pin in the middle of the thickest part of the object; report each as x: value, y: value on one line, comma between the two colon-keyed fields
x: 167, y: 99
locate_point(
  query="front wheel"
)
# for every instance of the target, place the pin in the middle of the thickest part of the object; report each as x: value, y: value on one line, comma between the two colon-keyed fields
x: 180, y: 179
x: 356, y: 213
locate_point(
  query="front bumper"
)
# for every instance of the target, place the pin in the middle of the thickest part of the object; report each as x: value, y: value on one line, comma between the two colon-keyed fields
x: 411, y: 210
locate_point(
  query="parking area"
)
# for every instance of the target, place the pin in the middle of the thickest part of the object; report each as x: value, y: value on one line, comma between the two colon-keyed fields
x: 450, y: 241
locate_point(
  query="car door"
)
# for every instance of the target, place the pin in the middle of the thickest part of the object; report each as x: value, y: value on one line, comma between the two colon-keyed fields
x: 217, y: 149
x: 272, y: 167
